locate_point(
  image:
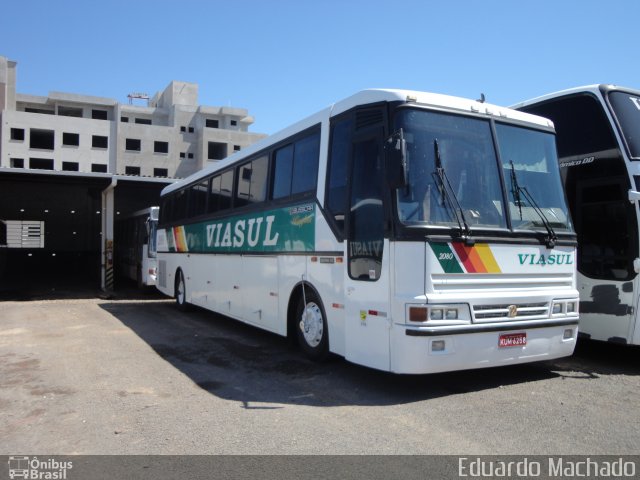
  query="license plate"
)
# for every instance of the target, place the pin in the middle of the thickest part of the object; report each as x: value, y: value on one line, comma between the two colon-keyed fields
x: 512, y: 340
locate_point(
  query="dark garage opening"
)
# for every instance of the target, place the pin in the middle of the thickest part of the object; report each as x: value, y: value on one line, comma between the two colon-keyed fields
x: 69, y: 208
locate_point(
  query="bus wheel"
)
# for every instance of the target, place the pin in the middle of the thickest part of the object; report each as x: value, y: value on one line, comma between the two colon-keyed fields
x: 311, y: 327
x: 181, y: 291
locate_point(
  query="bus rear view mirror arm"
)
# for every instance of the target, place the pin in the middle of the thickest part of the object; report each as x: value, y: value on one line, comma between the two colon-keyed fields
x: 634, y: 196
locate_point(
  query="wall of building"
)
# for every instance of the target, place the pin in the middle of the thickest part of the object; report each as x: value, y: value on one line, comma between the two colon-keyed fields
x: 171, y: 137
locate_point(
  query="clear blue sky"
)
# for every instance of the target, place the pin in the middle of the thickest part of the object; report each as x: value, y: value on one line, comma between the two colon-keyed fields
x: 286, y: 59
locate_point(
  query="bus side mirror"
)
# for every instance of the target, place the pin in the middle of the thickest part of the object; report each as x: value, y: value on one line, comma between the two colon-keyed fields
x: 396, y: 160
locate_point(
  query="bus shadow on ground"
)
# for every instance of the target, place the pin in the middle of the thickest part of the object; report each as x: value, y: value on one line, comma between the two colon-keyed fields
x: 69, y: 288
x: 238, y: 362
x: 593, y: 358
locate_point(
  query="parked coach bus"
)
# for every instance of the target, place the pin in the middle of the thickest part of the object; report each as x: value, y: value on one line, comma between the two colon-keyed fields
x: 598, y: 135
x: 406, y: 231
x: 136, y: 246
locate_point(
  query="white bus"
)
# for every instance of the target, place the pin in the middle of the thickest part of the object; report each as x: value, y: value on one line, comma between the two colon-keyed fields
x: 135, y: 246
x: 598, y: 136
x: 397, y: 229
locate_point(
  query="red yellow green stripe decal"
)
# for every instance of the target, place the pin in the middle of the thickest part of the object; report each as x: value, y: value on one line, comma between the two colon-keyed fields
x: 456, y: 257
x: 180, y: 239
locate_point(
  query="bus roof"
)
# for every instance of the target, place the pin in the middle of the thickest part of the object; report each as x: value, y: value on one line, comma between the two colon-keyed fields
x: 595, y: 89
x: 366, y: 97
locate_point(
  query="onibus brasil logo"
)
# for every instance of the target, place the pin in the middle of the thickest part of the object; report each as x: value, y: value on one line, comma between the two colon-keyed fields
x: 33, y: 468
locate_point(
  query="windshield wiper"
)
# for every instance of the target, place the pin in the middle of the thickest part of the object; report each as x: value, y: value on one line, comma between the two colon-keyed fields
x: 516, y: 189
x: 448, y: 194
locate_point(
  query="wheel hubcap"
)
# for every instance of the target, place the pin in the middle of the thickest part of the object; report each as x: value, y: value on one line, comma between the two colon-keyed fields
x: 180, y: 290
x: 312, y: 325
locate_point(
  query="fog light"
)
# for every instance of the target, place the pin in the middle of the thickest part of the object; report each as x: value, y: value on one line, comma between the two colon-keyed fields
x: 438, y: 345
x: 557, y: 308
x: 437, y: 314
x: 571, y: 307
x: 417, y: 314
x: 568, y: 333
x: 451, y: 314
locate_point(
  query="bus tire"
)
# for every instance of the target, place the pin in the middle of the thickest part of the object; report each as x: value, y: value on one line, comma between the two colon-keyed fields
x: 180, y: 292
x: 311, y: 326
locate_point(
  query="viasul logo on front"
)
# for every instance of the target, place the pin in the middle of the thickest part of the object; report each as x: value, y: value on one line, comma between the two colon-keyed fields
x: 37, y: 469
x: 541, y: 259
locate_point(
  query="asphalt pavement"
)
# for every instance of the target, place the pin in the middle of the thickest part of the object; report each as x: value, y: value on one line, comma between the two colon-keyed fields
x: 134, y: 375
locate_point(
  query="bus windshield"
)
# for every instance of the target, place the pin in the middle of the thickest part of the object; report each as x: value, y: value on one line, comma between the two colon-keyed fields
x: 463, y: 148
x: 467, y: 158
x: 530, y: 163
x: 153, y: 227
x: 627, y: 112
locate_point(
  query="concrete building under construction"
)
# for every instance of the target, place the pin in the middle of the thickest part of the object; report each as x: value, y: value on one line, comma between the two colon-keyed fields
x: 70, y: 164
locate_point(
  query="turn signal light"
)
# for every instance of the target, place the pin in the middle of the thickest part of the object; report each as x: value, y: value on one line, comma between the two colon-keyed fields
x: 418, y: 314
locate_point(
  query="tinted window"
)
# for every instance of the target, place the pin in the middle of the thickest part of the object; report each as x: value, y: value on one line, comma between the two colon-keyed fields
x: 180, y: 205
x: 198, y: 199
x: 366, y: 227
x: 581, y: 125
x: 283, y: 166
x: 252, y: 182
x: 337, y: 177
x: 220, y: 197
x: 627, y: 110
x: 305, y: 164
x: 296, y: 167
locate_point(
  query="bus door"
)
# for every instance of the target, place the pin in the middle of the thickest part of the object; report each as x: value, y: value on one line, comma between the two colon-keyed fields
x: 608, y: 246
x: 367, y: 274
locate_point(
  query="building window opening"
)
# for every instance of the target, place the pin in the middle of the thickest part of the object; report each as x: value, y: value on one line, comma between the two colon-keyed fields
x: 41, y: 163
x: 143, y: 121
x: 160, y: 172
x: 99, y: 141
x: 17, y: 134
x: 132, y: 170
x: 217, y: 151
x: 161, y: 147
x: 99, y: 114
x: 70, y: 139
x: 70, y: 166
x: 17, y: 163
x: 70, y: 111
x: 211, y: 123
x: 99, y: 167
x: 41, y: 139
x: 133, y: 144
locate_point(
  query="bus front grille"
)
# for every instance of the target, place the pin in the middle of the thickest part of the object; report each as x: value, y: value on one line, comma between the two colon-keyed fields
x: 521, y: 311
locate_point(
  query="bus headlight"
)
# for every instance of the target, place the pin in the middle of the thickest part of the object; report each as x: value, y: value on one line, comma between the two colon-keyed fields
x: 564, y: 307
x: 451, y: 313
x: 438, y: 314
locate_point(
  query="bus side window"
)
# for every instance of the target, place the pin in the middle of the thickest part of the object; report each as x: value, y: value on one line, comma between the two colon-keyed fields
x: 336, y: 195
x: 366, y: 220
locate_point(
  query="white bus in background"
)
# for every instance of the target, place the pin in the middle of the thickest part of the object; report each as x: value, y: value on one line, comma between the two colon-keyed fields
x: 135, y: 246
x: 406, y: 231
x: 598, y: 137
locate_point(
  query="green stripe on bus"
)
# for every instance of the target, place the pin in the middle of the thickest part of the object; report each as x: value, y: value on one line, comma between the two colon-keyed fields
x: 446, y: 257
